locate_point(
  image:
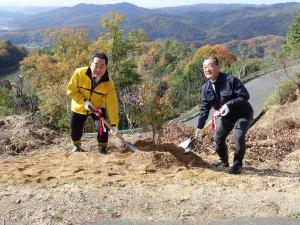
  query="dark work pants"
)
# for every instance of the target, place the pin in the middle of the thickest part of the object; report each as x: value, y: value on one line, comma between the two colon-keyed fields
x: 240, y: 127
x: 77, y: 122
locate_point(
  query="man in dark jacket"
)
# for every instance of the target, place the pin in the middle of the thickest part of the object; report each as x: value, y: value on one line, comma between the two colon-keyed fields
x: 229, y: 97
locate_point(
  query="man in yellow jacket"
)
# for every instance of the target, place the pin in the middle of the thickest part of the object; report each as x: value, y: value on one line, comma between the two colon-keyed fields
x: 90, y: 88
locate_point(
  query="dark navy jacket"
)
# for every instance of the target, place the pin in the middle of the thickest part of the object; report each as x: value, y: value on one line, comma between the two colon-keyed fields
x: 232, y: 92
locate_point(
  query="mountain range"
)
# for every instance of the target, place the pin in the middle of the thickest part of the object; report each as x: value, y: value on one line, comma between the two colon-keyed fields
x: 196, y: 24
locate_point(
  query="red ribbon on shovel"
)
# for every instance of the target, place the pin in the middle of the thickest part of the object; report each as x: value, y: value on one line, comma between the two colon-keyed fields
x: 99, y: 113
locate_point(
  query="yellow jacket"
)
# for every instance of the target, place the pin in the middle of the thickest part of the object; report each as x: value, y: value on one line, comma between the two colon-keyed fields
x: 102, y: 96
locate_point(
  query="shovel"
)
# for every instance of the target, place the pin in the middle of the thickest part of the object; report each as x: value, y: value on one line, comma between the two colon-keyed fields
x: 186, y: 145
x: 130, y: 146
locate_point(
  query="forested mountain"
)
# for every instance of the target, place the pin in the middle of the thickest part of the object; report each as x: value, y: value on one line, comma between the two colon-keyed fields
x: 257, y: 47
x: 223, y: 25
x: 205, y: 7
x: 79, y: 15
x: 27, y: 9
x: 198, y: 24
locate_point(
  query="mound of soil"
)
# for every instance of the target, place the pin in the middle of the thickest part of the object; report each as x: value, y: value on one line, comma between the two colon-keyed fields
x: 19, y: 135
x: 167, y: 155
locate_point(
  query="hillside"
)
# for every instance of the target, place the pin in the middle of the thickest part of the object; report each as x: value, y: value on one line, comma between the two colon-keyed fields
x: 41, y: 182
x: 204, y: 7
x: 257, y: 47
x: 199, y: 24
x: 26, y: 9
x: 223, y: 25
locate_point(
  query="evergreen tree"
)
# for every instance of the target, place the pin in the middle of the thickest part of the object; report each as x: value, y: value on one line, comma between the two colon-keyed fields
x: 292, y: 46
x: 120, y: 50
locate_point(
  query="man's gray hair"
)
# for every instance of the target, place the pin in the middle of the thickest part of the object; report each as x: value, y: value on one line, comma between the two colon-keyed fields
x: 214, y: 59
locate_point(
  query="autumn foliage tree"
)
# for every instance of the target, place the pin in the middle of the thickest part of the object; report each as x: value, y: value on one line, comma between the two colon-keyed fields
x: 160, y: 58
x: 148, y: 59
x: 221, y: 52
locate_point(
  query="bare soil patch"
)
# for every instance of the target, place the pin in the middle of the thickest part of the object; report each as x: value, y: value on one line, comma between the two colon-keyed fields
x: 42, y: 182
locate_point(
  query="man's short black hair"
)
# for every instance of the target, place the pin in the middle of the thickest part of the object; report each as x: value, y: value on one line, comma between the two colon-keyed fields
x: 100, y: 55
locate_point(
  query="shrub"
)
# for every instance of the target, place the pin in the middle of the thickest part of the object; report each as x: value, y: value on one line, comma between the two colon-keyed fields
x: 6, y: 102
x: 21, y: 99
x: 286, y: 92
x: 153, y: 110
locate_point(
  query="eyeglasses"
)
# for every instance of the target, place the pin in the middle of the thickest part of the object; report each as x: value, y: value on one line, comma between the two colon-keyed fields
x: 209, y: 66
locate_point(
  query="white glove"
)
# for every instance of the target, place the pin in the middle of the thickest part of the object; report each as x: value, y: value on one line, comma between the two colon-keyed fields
x: 216, y: 114
x: 224, y: 110
x: 198, y: 133
x: 114, y: 130
x: 88, y: 105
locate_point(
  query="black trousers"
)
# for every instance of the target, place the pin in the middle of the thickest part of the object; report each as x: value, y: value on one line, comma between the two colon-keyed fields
x: 77, y: 122
x: 240, y: 127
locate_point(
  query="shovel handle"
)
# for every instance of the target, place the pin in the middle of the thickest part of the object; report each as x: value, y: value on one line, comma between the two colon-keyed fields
x: 128, y: 144
x: 111, y: 128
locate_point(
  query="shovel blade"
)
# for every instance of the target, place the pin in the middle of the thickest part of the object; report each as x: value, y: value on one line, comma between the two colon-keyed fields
x: 187, y: 150
x: 186, y: 145
x: 131, y: 147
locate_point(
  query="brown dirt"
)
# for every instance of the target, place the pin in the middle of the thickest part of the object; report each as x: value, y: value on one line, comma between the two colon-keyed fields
x: 41, y: 182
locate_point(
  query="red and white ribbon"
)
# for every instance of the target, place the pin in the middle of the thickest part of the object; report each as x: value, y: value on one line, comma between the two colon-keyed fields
x: 99, y: 113
x: 214, y: 116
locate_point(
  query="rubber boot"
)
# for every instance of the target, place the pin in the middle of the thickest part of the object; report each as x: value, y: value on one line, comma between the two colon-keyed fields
x: 219, y: 163
x: 76, y: 146
x: 103, y: 148
x: 236, y: 168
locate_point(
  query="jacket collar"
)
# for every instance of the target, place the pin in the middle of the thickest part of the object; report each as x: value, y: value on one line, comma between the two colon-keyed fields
x: 220, y: 78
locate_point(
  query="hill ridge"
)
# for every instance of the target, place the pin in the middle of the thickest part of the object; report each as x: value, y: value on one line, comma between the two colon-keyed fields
x: 213, y: 24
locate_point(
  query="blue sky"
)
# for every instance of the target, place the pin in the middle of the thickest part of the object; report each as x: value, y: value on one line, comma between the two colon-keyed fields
x: 142, y: 3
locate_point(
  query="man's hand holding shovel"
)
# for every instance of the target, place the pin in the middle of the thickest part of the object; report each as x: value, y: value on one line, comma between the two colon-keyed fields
x: 224, y: 110
x: 199, y: 134
x: 114, y: 130
x: 89, y: 106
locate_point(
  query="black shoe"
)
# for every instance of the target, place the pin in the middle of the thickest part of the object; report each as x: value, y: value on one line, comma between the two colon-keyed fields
x: 103, y: 151
x: 236, y: 169
x: 219, y: 163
